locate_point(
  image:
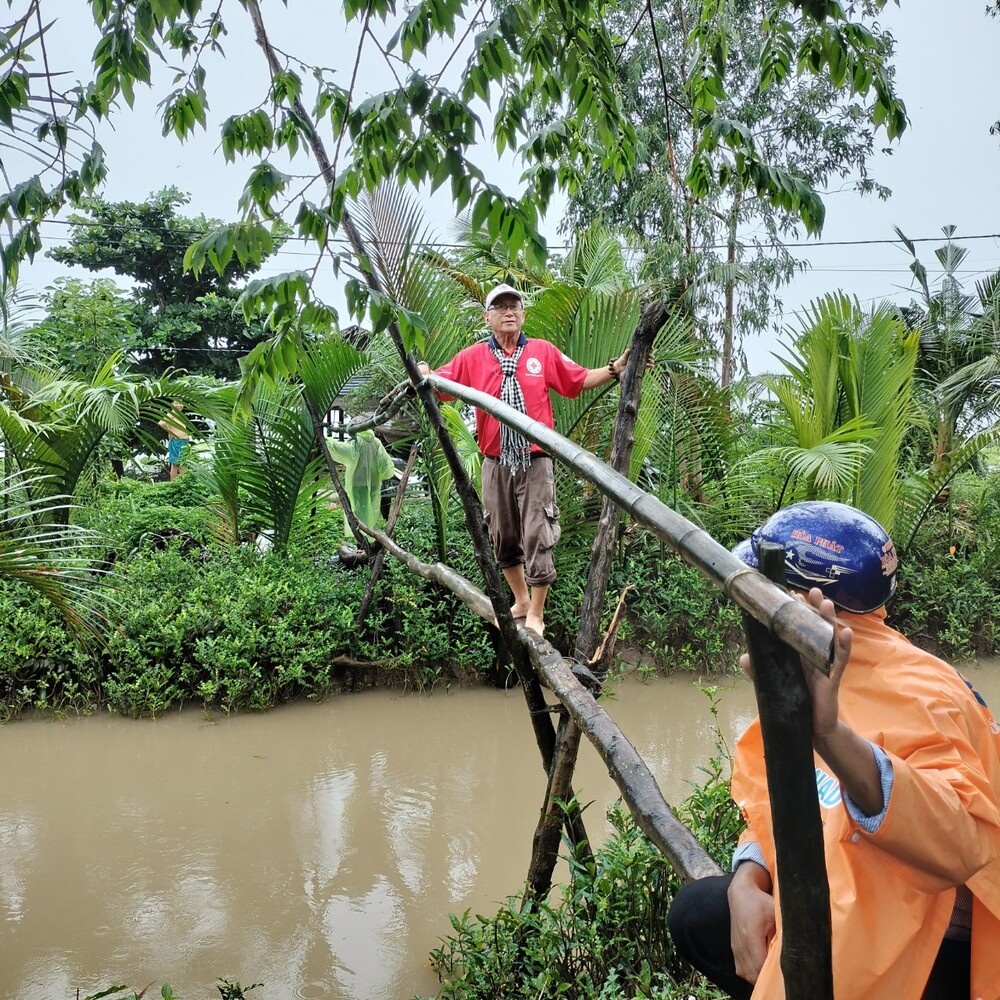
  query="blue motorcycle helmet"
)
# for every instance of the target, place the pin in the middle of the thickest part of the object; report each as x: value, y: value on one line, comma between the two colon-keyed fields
x: 744, y: 551
x: 847, y: 554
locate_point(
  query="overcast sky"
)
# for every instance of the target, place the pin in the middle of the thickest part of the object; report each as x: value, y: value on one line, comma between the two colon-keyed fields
x: 943, y: 171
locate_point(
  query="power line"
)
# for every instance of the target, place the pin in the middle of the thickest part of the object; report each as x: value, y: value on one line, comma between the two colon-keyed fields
x: 441, y: 245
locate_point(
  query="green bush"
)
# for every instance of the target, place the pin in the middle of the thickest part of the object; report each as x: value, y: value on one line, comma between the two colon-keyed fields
x: 948, y: 596
x: 228, y: 627
x: 191, y: 619
x: 130, y: 512
x: 676, y: 615
x: 41, y: 665
x: 949, y: 606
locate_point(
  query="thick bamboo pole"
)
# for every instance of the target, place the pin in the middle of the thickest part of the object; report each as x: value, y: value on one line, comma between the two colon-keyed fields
x: 627, y: 769
x: 785, y: 618
x: 786, y: 730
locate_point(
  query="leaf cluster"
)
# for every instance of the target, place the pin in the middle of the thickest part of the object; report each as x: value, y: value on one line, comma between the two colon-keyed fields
x: 606, y: 934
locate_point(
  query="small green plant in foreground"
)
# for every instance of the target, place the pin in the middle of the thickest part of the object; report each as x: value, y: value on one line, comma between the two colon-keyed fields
x: 228, y: 990
x: 605, y: 937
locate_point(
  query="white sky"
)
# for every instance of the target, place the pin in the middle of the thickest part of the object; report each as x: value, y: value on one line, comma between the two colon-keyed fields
x: 943, y: 171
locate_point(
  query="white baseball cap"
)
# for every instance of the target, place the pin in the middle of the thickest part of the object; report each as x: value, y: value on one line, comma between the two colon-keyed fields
x: 495, y: 293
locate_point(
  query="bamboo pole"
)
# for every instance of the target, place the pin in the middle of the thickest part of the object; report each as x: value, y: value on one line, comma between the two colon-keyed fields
x: 785, y: 618
x: 786, y: 730
x: 627, y: 769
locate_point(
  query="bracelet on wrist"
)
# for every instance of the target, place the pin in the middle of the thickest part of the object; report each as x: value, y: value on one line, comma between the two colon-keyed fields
x: 611, y: 369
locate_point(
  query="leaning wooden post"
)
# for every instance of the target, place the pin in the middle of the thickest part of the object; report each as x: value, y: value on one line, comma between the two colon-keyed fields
x: 495, y: 588
x: 786, y: 730
x: 545, y: 845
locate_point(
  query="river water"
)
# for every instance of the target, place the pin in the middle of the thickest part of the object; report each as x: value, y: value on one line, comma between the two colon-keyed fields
x: 316, y: 848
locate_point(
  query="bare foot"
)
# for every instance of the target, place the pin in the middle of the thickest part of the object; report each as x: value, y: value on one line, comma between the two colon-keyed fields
x: 535, y: 624
x: 519, y: 609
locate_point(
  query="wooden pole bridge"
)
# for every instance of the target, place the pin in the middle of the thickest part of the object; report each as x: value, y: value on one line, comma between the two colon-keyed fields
x: 779, y: 631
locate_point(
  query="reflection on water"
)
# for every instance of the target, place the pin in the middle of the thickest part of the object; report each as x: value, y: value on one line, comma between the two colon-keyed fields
x: 317, y: 849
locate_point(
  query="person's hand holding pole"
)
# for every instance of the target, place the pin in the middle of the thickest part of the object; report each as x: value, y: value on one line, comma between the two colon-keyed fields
x: 751, y: 910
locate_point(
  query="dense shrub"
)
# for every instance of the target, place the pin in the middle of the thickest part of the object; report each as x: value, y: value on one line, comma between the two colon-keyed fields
x: 950, y: 606
x: 948, y: 599
x: 192, y: 619
x: 41, y: 664
x: 130, y: 512
x: 229, y: 627
x: 676, y: 615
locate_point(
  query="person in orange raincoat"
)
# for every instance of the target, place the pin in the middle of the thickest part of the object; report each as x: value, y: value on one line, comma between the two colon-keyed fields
x: 908, y: 777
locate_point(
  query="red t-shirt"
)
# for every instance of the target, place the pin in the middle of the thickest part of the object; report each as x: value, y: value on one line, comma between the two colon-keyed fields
x: 542, y: 366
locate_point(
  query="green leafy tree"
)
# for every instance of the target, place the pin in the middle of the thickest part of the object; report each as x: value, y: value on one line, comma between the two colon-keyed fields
x: 709, y: 223
x: 423, y: 130
x: 174, y: 318
x: 85, y: 323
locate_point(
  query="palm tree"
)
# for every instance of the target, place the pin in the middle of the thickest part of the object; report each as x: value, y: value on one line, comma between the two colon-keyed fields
x: 959, y: 342
x: 38, y: 548
x: 51, y: 426
x: 957, y: 377
x: 842, y: 409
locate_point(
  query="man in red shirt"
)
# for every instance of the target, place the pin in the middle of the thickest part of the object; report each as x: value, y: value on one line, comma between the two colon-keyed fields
x: 519, y: 501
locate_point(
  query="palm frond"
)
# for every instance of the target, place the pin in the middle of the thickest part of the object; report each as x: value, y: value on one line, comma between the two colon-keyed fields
x: 58, y: 561
x: 924, y: 489
x: 325, y: 368
x: 393, y: 226
x: 595, y: 261
x: 848, y: 382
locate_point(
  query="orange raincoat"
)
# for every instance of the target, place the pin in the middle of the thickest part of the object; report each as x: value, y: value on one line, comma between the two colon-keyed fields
x: 892, y: 891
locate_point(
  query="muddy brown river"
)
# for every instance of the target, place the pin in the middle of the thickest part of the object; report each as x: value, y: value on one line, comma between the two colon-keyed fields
x: 317, y: 849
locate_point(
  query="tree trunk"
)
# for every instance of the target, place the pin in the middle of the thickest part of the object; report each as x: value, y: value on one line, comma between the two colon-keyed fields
x: 727, y: 323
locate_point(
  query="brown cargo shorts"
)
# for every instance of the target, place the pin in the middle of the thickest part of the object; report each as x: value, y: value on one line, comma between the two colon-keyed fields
x: 522, y: 517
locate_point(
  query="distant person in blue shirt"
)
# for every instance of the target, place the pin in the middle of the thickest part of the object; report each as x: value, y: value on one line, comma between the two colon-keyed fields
x: 177, y: 436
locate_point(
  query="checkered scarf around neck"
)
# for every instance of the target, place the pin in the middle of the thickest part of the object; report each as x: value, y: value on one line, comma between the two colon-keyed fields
x: 515, y: 449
